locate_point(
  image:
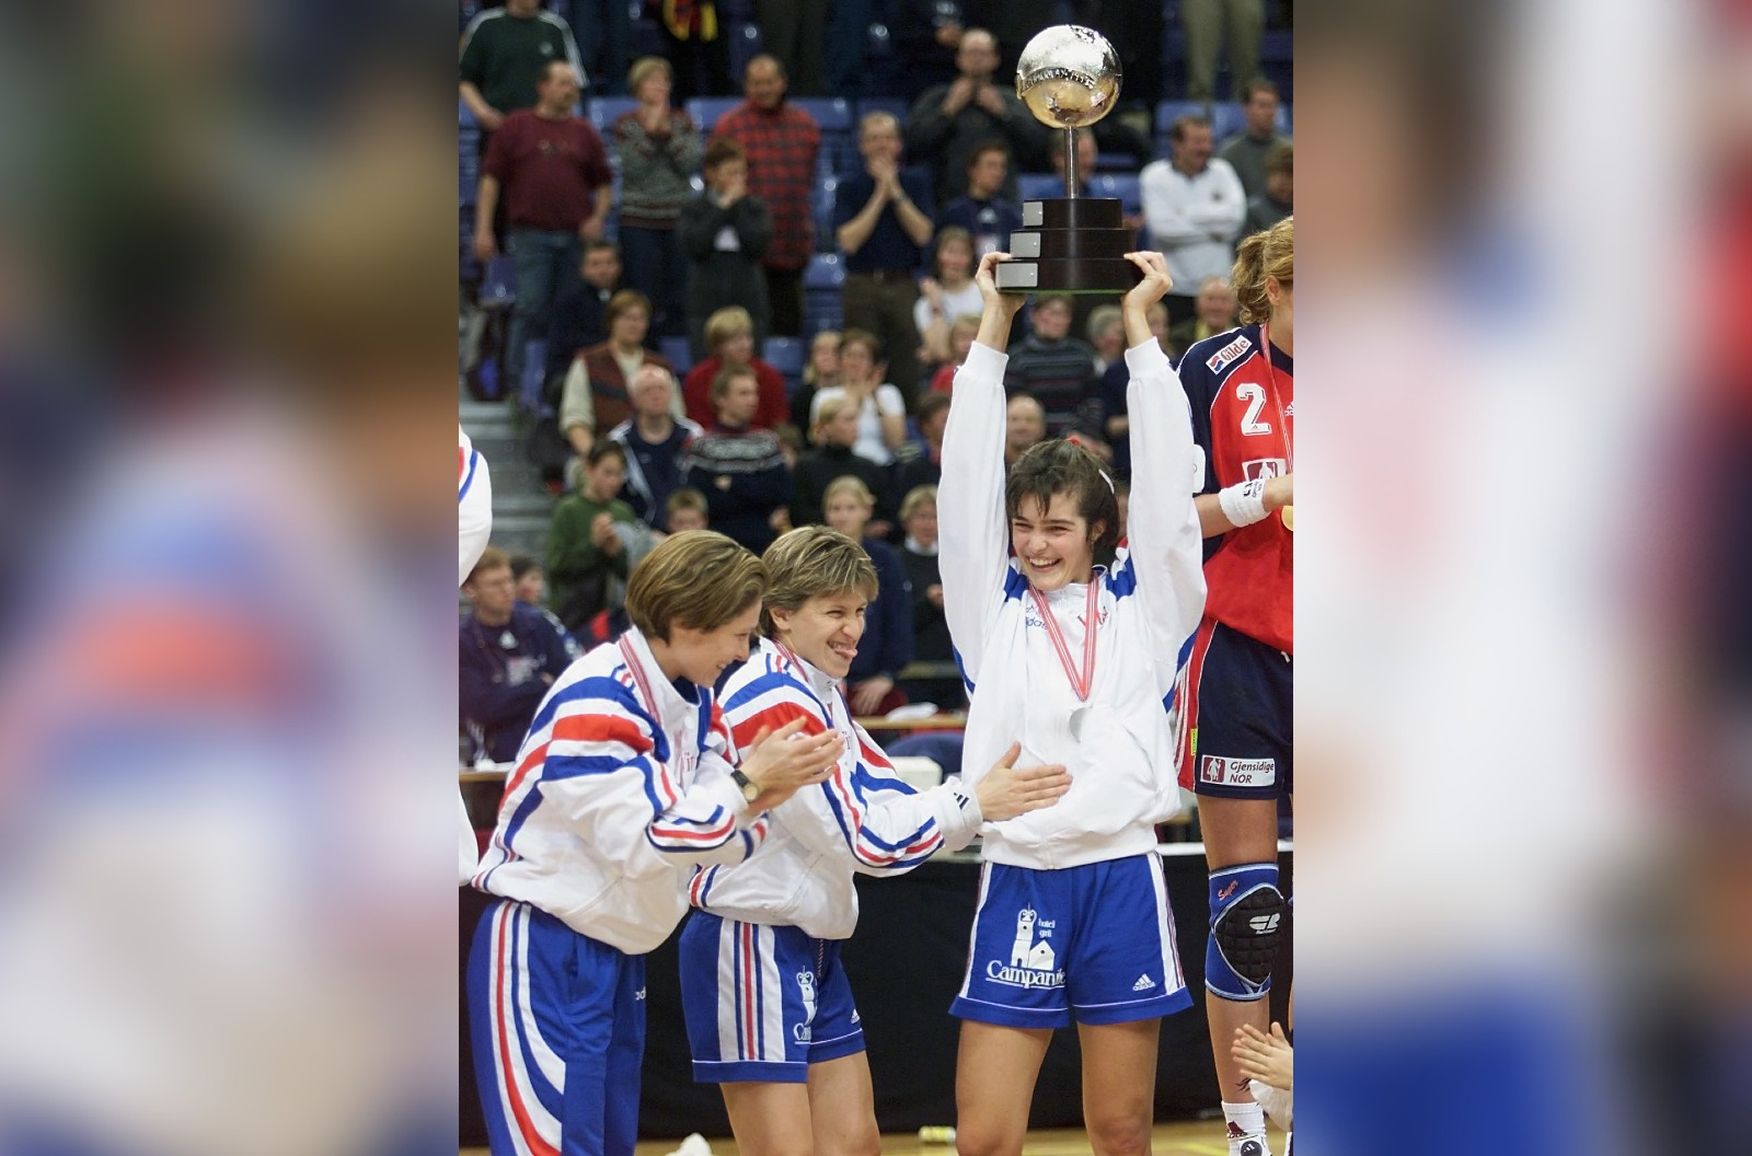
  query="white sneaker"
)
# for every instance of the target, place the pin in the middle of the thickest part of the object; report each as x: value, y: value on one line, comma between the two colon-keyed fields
x: 1277, y: 1102
x: 694, y: 1145
x: 1247, y: 1143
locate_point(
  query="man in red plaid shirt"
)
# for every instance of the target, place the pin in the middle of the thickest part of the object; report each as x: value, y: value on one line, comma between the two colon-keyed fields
x: 782, y: 143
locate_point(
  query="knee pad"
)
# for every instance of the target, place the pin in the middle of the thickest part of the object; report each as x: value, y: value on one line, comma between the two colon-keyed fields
x: 1247, y: 914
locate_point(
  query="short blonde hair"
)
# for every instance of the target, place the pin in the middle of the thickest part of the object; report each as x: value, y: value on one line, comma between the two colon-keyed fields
x: 916, y: 497
x: 643, y: 68
x: 828, y: 405
x: 848, y: 484
x: 1101, y: 317
x: 698, y: 579
x: 811, y: 561
x: 730, y: 321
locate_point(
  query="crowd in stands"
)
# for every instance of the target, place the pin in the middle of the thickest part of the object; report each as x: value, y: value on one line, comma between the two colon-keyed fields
x: 728, y: 313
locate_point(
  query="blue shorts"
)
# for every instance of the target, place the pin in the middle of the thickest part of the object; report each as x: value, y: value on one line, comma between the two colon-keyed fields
x: 1237, y: 738
x: 762, y: 1003
x: 558, y: 1027
x: 1091, y: 944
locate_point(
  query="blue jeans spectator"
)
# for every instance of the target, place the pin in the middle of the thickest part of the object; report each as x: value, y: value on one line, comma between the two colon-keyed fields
x: 604, y: 32
x: 542, y: 259
x: 654, y: 265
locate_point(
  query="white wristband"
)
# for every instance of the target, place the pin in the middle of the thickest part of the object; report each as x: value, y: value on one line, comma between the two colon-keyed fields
x: 1243, y: 503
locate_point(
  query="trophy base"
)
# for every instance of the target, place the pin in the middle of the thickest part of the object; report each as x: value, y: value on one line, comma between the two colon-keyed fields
x: 1091, y: 275
x: 1071, y: 245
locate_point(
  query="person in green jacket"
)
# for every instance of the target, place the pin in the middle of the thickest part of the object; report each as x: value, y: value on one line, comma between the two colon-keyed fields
x: 587, y: 556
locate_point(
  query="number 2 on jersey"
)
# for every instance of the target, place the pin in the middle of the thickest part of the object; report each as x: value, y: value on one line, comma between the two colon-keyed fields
x: 1254, y: 396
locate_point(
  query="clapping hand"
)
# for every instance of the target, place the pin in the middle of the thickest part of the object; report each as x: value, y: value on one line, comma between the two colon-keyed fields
x: 782, y: 761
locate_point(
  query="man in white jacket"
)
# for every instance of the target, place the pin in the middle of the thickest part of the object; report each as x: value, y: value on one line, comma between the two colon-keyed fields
x: 1193, y: 207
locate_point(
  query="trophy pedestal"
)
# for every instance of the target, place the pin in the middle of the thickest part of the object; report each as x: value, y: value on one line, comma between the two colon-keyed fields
x: 1071, y: 245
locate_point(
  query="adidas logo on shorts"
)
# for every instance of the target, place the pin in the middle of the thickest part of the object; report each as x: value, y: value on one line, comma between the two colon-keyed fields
x: 1145, y: 983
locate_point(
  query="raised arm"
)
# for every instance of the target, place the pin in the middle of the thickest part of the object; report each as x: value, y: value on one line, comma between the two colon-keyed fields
x: 1162, y: 530
x: 975, y: 538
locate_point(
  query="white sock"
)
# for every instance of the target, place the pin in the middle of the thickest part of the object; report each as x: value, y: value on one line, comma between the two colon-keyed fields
x: 1278, y: 1103
x: 1246, y: 1129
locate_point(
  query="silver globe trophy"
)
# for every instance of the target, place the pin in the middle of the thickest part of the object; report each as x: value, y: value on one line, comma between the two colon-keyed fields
x: 1069, y: 76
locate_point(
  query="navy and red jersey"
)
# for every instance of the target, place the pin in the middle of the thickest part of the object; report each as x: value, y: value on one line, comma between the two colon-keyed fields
x: 1243, y: 417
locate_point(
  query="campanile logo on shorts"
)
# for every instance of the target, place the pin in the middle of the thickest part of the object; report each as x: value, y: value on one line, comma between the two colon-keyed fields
x: 1032, y: 962
x: 1237, y: 772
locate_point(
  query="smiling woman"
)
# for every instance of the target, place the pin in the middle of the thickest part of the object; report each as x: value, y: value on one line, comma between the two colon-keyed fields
x: 767, y: 934
x: 623, y: 785
x: 1078, y: 663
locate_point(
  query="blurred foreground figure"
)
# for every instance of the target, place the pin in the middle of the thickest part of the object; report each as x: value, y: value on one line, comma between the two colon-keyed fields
x: 227, y: 826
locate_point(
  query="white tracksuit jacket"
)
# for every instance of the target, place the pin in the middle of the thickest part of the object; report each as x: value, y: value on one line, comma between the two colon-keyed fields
x: 1122, y: 770
x: 613, y: 801
x: 862, y: 819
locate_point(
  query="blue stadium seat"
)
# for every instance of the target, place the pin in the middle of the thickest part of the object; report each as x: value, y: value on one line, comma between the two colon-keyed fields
x: 1169, y: 111
x: 706, y: 110
x: 534, y: 366
x: 839, y: 141
x: 785, y: 354
x: 833, y: 113
x: 676, y: 352
x: 823, y: 282
x: 605, y: 110
x: 1121, y: 185
x: 1034, y: 186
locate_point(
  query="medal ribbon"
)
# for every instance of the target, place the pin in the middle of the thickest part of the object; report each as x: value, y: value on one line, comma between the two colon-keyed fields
x: 1084, y: 681
x: 638, y: 670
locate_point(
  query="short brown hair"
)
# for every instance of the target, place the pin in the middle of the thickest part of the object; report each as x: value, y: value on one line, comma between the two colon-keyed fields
x: 698, y: 579
x: 1058, y: 466
x: 621, y: 302
x: 988, y: 146
x: 721, y: 383
x: 862, y: 337
x: 929, y: 405
x: 605, y: 447
x: 491, y: 559
x: 1181, y: 123
x: 686, y: 498
x: 1281, y: 158
x: 811, y: 561
x: 722, y: 150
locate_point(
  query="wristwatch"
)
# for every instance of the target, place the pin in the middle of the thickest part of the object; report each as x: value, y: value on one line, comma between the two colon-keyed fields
x: 749, y: 788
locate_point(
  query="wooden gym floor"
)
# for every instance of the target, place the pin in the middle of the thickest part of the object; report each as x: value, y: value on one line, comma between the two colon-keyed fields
x: 1186, y: 1139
